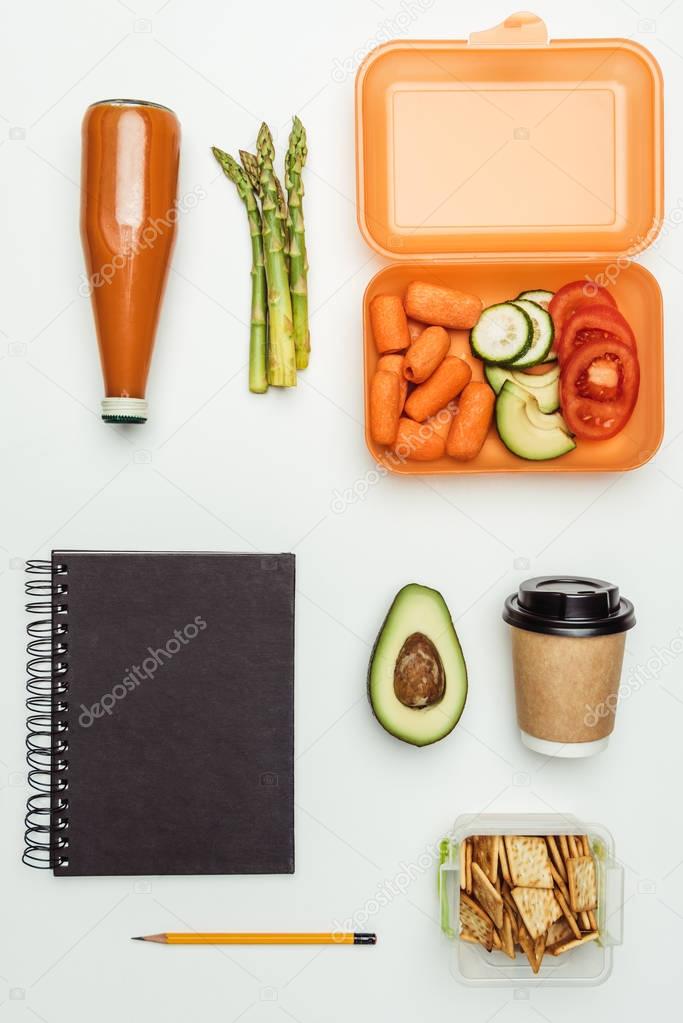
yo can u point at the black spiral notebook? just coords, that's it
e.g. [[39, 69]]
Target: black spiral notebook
[[161, 713]]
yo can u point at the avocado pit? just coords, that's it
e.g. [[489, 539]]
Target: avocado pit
[[419, 676]]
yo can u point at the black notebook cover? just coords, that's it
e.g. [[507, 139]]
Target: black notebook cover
[[179, 712]]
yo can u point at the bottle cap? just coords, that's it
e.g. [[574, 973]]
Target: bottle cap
[[124, 410]]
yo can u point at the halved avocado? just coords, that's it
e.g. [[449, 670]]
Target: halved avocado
[[417, 678], [525, 430], [545, 387]]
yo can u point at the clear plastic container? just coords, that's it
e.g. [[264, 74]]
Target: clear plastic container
[[586, 966]]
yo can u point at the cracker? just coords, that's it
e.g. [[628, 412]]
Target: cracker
[[485, 853], [564, 848], [528, 861], [583, 891], [573, 847], [539, 950], [506, 894], [533, 949], [468, 865], [507, 935], [559, 883], [463, 864], [503, 861], [568, 915], [556, 857], [558, 932], [564, 946], [486, 895], [514, 922], [472, 938], [538, 908], [592, 921], [507, 897], [526, 944], [474, 921]]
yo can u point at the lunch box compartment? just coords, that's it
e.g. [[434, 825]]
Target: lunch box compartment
[[588, 965], [638, 296], [507, 163]]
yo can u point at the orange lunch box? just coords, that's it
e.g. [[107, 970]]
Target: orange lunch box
[[509, 163]]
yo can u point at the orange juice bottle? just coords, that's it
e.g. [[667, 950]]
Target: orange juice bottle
[[128, 224]]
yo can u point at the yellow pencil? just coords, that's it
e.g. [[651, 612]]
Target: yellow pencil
[[336, 938]]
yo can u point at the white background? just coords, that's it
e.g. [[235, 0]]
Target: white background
[[217, 468]]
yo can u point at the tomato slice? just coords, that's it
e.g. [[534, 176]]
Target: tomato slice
[[594, 323], [599, 387], [571, 297]]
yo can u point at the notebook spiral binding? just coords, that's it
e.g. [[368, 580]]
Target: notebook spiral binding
[[47, 822]]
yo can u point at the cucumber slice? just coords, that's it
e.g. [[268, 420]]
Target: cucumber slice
[[503, 333], [540, 297], [544, 333]]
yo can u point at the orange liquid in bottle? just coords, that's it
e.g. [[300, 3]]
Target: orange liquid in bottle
[[128, 223]]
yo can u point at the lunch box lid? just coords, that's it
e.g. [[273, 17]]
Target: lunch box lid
[[567, 605], [509, 146]]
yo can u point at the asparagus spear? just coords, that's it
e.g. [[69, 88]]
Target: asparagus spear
[[282, 209], [250, 164], [298, 263], [258, 332], [281, 355]]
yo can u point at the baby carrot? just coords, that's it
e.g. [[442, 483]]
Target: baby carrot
[[446, 381], [384, 406], [394, 364], [471, 421], [415, 329], [433, 303], [418, 442], [425, 354], [389, 324], [441, 422]]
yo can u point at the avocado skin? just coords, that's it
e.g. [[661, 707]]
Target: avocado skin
[[464, 681]]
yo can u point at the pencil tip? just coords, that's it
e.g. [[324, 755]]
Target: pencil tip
[[137, 939]]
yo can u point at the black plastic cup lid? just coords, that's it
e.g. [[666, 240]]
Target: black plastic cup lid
[[567, 605]]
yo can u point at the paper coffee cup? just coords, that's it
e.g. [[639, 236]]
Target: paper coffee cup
[[568, 637]]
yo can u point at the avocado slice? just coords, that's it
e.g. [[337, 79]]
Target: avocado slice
[[417, 678], [525, 430], [545, 386]]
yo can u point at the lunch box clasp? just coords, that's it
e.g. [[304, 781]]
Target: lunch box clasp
[[520, 29]]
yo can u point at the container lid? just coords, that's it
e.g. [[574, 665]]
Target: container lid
[[509, 146], [569, 606]]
